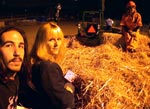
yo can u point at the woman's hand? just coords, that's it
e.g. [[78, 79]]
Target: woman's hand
[[69, 87]]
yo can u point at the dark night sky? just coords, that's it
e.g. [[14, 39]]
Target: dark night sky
[[113, 8]]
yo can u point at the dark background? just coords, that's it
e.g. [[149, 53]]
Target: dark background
[[70, 8]]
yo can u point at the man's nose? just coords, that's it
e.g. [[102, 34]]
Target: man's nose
[[16, 51]]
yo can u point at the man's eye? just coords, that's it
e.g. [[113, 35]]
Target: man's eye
[[8, 45], [21, 46]]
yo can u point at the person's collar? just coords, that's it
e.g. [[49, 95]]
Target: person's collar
[[6, 78], [12, 77]]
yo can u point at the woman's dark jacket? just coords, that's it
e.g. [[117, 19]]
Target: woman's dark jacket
[[49, 81]]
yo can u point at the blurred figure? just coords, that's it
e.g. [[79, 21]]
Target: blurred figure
[[54, 91], [131, 22], [13, 65], [109, 23], [57, 13]]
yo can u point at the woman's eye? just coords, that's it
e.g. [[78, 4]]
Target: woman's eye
[[59, 39], [51, 39]]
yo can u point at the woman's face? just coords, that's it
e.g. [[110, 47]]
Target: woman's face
[[54, 43]]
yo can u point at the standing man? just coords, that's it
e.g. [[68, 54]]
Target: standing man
[[58, 8], [131, 22], [109, 23], [13, 59]]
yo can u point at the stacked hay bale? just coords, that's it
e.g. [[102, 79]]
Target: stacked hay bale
[[108, 77]]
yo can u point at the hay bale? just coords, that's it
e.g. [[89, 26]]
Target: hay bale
[[108, 77]]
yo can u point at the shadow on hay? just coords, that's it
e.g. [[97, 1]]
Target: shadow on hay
[[81, 100], [120, 43]]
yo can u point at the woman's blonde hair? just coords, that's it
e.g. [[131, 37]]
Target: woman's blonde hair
[[39, 50]]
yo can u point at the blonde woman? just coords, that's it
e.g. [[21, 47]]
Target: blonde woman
[[54, 91], [49, 43]]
